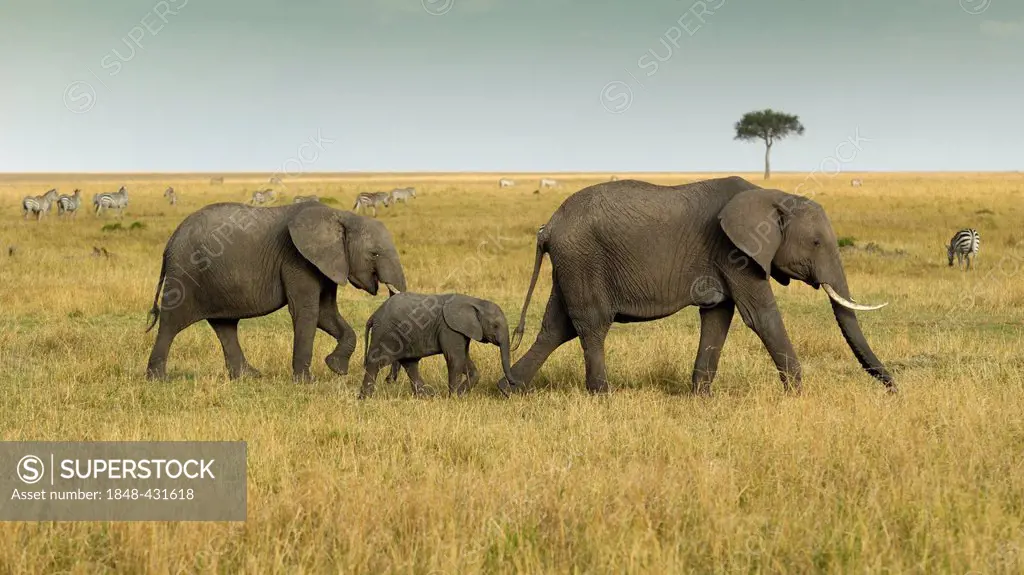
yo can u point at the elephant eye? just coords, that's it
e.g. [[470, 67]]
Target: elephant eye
[[817, 242], [374, 254]]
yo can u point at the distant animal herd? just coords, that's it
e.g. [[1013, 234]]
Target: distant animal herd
[[310, 249]]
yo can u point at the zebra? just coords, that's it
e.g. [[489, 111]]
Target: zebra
[[172, 197], [401, 194], [117, 201], [547, 183], [856, 183], [964, 245], [69, 204], [506, 183], [300, 199], [217, 181], [371, 200], [260, 197], [38, 205]]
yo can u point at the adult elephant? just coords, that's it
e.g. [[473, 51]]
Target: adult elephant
[[631, 251], [231, 261]]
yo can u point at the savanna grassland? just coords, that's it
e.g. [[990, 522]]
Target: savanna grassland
[[841, 479]]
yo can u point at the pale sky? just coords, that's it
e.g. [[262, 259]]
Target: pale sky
[[507, 85]]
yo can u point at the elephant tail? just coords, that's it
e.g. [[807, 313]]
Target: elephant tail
[[366, 337], [154, 312], [542, 248]]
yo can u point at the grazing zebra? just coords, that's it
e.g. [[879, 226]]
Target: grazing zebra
[[172, 197], [260, 197], [69, 204], [38, 205], [218, 181], [506, 183], [547, 183], [117, 201], [964, 245], [401, 194], [371, 200], [856, 183], [300, 199]]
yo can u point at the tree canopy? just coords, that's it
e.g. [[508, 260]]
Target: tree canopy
[[768, 126]]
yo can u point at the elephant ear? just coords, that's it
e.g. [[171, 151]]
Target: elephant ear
[[319, 235], [753, 223], [461, 314]]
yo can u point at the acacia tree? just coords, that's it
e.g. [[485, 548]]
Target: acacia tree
[[769, 126]]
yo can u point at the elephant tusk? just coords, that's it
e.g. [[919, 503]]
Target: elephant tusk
[[393, 289], [849, 304]]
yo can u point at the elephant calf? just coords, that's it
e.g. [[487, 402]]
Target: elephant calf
[[409, 327]]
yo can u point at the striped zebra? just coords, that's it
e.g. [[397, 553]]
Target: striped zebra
[[506, 183], [69, 204], [547, 183], [402, 194], [260, 197], [172, 197], [964, 245], [115, 201], [38, 205], [311, 198], [856, 183], [371, 200]]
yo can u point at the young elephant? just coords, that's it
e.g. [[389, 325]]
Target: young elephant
[[228, 262], [411, 326]]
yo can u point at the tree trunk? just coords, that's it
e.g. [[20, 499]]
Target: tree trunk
[[767, 161]]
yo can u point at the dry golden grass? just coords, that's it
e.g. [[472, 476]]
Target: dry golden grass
[[648, 479]]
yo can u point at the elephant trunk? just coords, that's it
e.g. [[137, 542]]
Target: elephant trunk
[[848, 324], [393, 278], [506, 360]]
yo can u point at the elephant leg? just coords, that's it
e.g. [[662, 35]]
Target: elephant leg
[[393, 374], [412, 369], [302, 292], [555, 330], [234, 357], [592, 341], [714, 327], [474, 374], [455, 349], [763, 317], [370, 377], [330, 321], [170, 326]]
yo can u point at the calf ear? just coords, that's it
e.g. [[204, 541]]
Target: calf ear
[[461, 315], [319, 235], [753, 223]]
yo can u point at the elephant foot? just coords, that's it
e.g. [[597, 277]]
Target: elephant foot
[[245, 371], [702, 389], [366, 392], [423, 392], [156, 373], [337, 363], [507, 388], [302, 377]]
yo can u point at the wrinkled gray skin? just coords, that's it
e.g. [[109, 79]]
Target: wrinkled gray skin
[[232, 261], [409, 327], [630, 251]]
